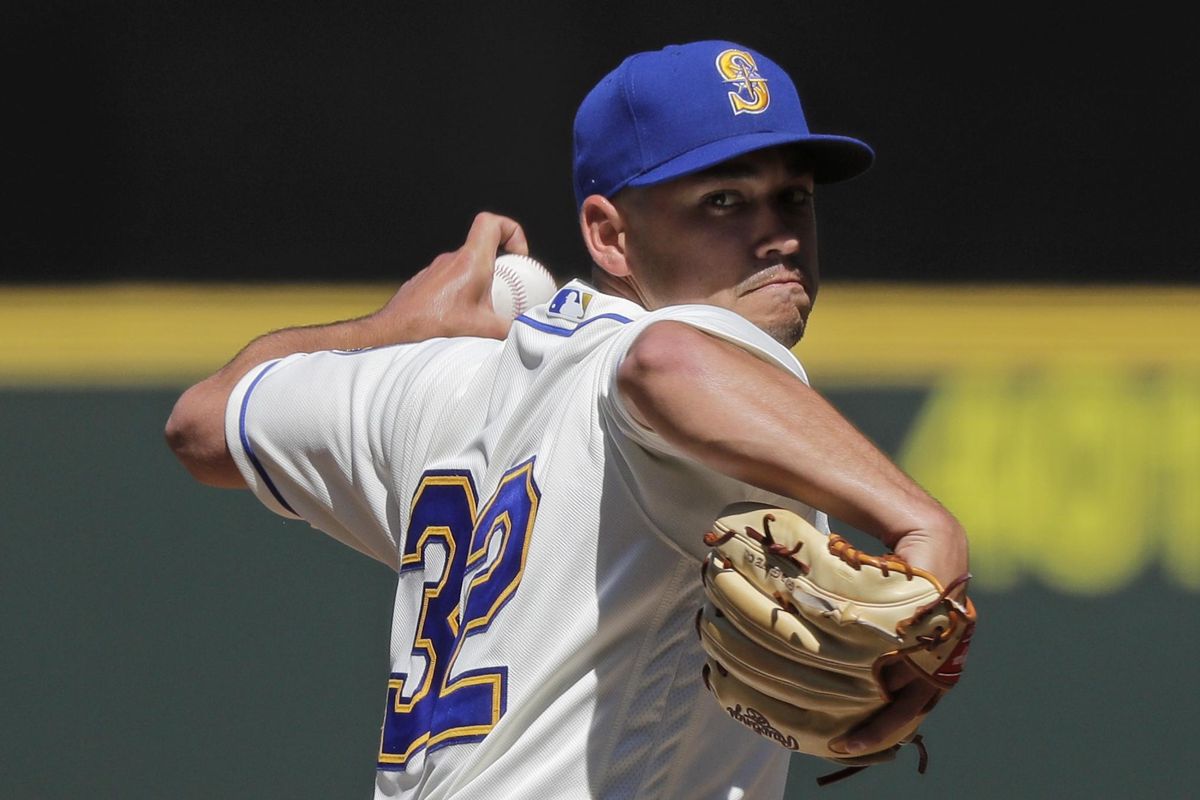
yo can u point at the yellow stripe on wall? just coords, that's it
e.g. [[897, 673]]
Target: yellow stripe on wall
[[899, 333], [150, 334], [141, 334]]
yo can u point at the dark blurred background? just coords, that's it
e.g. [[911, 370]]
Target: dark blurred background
[[308, 140]]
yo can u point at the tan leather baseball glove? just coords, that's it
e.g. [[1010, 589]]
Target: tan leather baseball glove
[[798, 626]]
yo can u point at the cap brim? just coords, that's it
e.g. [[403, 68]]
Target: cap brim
[[835, 158]]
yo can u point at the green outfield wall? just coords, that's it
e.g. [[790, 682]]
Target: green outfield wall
[[160, 638]]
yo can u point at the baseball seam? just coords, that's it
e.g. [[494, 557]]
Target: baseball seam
[[515, 288]]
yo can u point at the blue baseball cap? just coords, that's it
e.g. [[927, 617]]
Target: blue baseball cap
[[667, 113]]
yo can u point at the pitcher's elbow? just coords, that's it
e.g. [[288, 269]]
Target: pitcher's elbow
[[197, 440]]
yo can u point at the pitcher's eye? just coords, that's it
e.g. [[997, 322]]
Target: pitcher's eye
[[722, 199], [799, 196]]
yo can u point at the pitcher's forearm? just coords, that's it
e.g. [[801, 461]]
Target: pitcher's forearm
[[755, 422]]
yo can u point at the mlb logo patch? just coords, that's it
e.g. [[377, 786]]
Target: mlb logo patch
[[570, 304]]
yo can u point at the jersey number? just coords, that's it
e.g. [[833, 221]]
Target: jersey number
[[452, 542]]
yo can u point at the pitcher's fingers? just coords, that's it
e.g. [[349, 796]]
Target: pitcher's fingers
[[513, 240], [906, 706], [897, 675], [491, 233]]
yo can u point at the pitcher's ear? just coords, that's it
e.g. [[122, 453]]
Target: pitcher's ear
[[603, 227]]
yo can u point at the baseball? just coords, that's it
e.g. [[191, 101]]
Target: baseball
[[519, 283]]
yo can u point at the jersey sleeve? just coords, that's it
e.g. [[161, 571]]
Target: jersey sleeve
[[643, 463], [716, 321], [313, 436]]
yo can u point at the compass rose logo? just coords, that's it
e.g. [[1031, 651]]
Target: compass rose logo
[[749, 95]]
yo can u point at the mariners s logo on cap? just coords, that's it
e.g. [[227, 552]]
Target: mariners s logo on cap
[[750, 95], [660, 115]]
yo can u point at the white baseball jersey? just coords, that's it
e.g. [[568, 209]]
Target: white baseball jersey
[[547, 549]]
